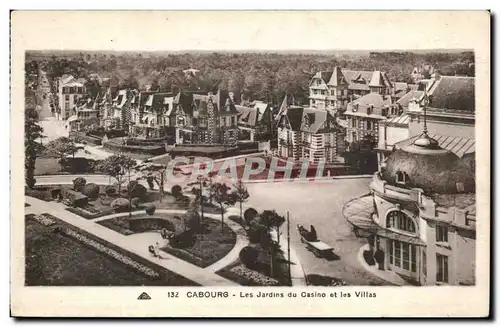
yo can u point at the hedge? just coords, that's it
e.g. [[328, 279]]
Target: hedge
[[116, 145], [85, 214], [87, 138]]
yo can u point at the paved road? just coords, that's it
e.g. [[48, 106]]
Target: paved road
[[319, 204]]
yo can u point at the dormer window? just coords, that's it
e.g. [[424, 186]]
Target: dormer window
[[401, 177], [369, 110], [355, 107]]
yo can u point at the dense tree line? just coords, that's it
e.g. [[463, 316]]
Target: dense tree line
[[264, 76]]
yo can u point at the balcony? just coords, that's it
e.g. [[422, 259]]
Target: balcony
[[318, 96]]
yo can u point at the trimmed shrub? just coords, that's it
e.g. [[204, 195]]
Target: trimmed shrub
[[150, 209], [176, 191], [136, 190], [192, 220], [91, 190], [110, 190], [257, 233], [79, 184], [135, 202], [74, 198], [250, 215], [120, 205], [248, 256]]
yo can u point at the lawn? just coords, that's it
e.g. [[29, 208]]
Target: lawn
[[206, 249], [55, 259], [209, 247]]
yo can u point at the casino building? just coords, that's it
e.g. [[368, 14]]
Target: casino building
[[420, 215]]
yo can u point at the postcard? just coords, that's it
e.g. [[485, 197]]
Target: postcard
[[250, 164]]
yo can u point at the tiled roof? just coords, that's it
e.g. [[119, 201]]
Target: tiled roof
[[453, 92], [405, 100], [458, 145], [294, 115], [398, 120], [313, 119]]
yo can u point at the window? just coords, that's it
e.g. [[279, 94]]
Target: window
[[355, 107], [403, 255], [441, 234], [195, 121], [442, 268], [369, 110], [354, 122], [368, 125], [400, 221], [167, 106], [401, 177], [354, 137]]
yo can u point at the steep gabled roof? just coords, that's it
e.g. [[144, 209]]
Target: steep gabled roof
[[454, 93], [337, 78], [294, 115]]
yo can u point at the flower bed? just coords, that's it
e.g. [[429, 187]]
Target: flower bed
[[242, 275], [39, 193], [205, 250], [56, 259], [116, 255], [87, 214]]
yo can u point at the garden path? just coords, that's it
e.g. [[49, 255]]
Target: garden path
[[205, 277]]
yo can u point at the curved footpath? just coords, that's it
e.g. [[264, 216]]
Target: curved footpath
[[139, 245]]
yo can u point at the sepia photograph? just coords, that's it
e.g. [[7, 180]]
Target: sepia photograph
[[319, 174]]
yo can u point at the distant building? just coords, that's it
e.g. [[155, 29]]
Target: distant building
[[365, 114], [308, 133], [334, 90], [420, 218], [254, 118], [69, 91], [422, 72], [86, 115], [209, 119], [153, 115]]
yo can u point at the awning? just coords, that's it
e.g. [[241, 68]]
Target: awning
[[359, 213]]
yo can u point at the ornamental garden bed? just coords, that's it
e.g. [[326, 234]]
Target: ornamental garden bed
[[205, 249], [209, 247], [260, 274], [59, 254]]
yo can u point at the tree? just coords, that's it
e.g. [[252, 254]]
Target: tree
[[152, 171], [362, 155], [117, 166], [63, 146], [32, 132], [271, 219], [241, 194], [250, 215], [79, 184], [176, 191], [222, 195]]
